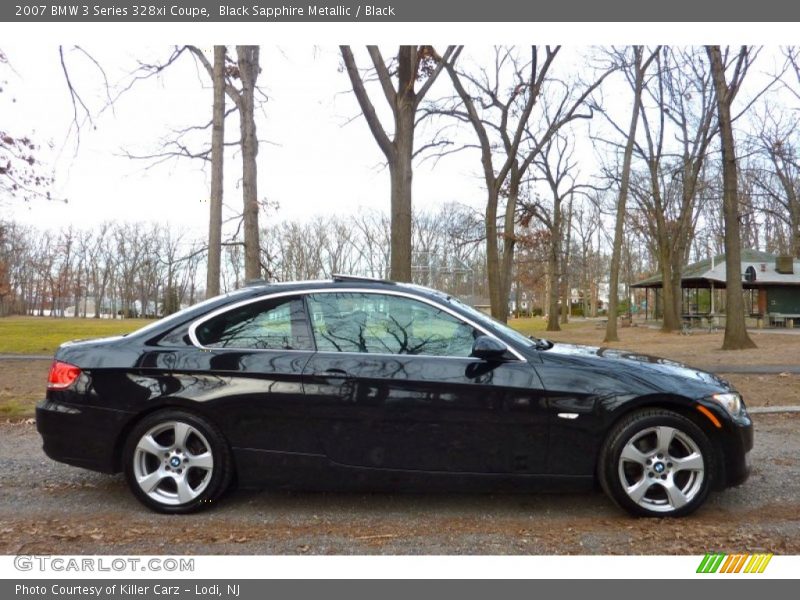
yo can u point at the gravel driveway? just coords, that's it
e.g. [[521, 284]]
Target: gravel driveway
[[49, 508]]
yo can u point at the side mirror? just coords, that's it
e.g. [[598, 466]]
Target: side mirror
[[488, 348]]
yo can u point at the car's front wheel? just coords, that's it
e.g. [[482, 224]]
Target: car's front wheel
[[657, 463], [176, 462]]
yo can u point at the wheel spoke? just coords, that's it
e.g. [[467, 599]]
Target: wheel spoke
[[639, 489], [150, 482], [693, 462], [677, 498], [185, 491], [151, 446], [664, 435], [632, 454], [182, 433], [201, 461]]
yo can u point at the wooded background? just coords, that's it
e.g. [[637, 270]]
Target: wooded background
[[696, 154]]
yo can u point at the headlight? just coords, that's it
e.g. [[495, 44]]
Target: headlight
[[732, 402]]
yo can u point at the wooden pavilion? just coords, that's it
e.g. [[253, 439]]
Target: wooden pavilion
[[771, 282]]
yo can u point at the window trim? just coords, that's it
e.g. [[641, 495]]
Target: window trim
[[302, 294]]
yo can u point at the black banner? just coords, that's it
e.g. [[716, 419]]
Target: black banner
[[397, 11]]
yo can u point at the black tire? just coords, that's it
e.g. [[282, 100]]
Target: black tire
[[201, 486], [660, 499]]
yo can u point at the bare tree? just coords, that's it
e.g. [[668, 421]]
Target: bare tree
[[244, 70], [640, 66], [412, 64], [217, 171], [590, 265], [677, 124], [557, 167], [779, 179], [21, 173], [499, 104], [247, 58], [736, 336], [375, 233], [101, 266]]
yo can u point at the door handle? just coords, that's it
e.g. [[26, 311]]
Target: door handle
[[335, 374]]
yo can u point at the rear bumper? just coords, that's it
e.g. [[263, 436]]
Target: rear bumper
[[83, 436]]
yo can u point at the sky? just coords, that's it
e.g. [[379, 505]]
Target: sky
[[317, 156]]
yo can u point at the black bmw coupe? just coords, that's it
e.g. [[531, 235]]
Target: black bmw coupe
[[357, 383]]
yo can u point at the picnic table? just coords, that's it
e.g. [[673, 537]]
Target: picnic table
[[782, 319], [692, 320]]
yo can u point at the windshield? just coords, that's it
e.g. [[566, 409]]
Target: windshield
[[482, 317]]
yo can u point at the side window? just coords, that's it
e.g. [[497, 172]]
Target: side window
[[386, 324], [277, 324]]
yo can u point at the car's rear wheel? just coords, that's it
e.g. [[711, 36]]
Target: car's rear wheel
[[177, 462], [657, 463]]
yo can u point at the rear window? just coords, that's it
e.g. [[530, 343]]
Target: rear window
[[276, 324], [184, 314]]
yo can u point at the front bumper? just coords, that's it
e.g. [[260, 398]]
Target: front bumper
[[736, 450], [83, 436]]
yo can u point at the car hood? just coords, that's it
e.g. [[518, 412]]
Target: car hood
[[639, 372]]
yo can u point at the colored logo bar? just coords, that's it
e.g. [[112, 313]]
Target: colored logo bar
[[719, 562]]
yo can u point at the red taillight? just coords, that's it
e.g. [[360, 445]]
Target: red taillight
[[62, 375]]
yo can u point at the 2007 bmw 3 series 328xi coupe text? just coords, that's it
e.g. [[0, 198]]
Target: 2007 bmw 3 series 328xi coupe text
[[370, 384]]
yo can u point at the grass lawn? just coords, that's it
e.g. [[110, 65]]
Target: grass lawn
[[42, 335], [537, 326], [15, 409]]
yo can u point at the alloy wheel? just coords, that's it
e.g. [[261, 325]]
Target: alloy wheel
[[661, 468], [173, 463]]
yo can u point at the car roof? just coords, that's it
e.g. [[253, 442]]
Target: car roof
[[345, 282]]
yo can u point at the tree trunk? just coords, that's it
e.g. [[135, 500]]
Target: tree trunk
[[400, 164], [736, 336], [553, 274], [217, 158], [670, 321], [566, 295], [509, 242], [506, 271], [587, 302], [493, 266], [248, 71], [677, 289], [398, 151], [619, 226], [401, 172], [794, 217]]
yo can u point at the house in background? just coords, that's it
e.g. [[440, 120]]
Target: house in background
[[771, 282]]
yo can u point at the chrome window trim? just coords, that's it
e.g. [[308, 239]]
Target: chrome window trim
[[304, 292]]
